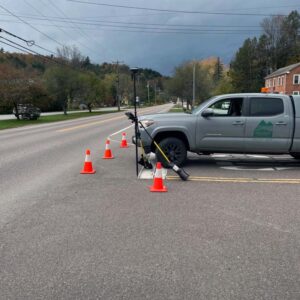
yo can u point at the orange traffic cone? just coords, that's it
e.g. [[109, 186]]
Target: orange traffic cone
[[158, 185], [107, 152], [123, 142], [88, 167]]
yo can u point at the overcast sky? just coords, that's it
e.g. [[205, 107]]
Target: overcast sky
[[160, 40]]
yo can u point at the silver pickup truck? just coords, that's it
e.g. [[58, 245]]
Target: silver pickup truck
[[232, 123]]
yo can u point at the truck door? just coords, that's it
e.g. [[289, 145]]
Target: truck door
[[269, 124], [224, 130]]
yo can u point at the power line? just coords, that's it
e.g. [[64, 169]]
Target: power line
[[165, 30], [25, 22], [62, 20], [75, 26], [103, 24], [28, 42], [170, 10], [30, 51], [40, 13], [15, 47], [162, 30]]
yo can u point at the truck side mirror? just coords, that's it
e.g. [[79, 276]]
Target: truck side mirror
[[208, 112]]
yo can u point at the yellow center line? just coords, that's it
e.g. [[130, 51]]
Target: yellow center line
[[88, 124], [94, 123], [240, 180]]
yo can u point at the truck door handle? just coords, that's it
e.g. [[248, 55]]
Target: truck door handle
[[281, 123], [238, 123]]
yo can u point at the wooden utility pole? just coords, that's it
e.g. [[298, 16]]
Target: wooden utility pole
[[118, 82], [194, 85]]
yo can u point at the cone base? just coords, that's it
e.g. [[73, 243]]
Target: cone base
[[85, 172], [124, 146], [162, 190], [103, 157]]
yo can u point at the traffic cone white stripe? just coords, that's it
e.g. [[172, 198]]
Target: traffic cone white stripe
[[87, 158], [158, 173]]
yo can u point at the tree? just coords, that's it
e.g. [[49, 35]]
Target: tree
[[17, 88], [224, 86], [246, 68], [218, 71], [181, 84], [278, 46], [71, 55], [273, 31], [62, 85], [291, 37], [91, 90]]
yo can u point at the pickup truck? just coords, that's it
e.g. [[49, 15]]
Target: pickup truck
[[252, 123]]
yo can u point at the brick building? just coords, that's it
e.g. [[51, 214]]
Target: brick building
[[285, 80]]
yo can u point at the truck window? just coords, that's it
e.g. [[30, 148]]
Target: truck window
[[228, 107], [266, 106]]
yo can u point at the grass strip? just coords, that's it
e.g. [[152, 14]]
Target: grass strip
[[5, 124], [176, 110]]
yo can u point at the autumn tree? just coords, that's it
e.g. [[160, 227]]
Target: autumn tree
[[17, 88]]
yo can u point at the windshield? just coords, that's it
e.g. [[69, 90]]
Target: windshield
[[198, 108]]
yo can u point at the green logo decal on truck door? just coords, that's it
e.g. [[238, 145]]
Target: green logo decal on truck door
[[264, 130]]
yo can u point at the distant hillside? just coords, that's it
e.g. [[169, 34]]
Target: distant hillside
[[68, 82]]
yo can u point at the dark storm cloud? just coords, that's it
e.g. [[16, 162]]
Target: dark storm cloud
[[160, 51]]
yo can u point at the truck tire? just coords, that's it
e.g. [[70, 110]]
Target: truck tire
[[295, 155], [175, 150]]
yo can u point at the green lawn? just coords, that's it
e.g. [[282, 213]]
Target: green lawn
[[5, 124]]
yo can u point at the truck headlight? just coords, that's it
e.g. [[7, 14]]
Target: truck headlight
[[146, 123]]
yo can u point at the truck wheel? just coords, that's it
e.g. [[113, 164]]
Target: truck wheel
[[295, 155], [174, 149]]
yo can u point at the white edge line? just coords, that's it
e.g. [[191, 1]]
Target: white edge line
[[115, 141], [123, 129]]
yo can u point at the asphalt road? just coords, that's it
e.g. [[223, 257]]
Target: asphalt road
[[226, 234]]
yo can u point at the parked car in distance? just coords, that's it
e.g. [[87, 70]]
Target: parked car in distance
[[27, 112], [234, 123]]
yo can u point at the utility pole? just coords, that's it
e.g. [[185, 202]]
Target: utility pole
[[155, 92], [148, 86], [118, 82], [194, 84], [134, 72]]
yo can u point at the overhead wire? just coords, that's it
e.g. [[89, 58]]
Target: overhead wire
[[28, 42], [62, 20], [33, 27], [171, 10], [79, 29], [40, 13], [60, 28], [166, 30], [15, 47], [30, 51]]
